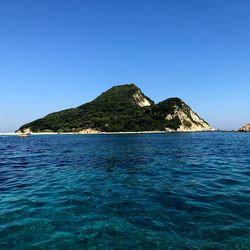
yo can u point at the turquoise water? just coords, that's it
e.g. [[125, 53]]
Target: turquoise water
[[163, 191]]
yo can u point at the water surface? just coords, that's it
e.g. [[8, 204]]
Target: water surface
[[139, 191]]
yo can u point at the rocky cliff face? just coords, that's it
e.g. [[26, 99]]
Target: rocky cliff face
[[122, 108], [140, 99], [188, 120], [245, 128]]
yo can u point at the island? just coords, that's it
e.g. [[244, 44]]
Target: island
[[123, 108]]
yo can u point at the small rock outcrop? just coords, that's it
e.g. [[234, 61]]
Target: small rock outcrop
[[245, 128], [89, 131]]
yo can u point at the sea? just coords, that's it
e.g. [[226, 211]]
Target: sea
[[125, 191]]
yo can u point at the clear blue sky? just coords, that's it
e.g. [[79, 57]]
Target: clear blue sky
[[56, 54]]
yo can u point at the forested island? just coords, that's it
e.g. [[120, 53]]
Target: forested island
[[122, 108]]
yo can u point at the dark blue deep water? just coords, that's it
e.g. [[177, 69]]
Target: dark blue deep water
[[163, 191]]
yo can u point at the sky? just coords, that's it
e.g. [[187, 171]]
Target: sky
[[57, 54]]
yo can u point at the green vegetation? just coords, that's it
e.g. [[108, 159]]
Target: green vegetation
[[114, 110]]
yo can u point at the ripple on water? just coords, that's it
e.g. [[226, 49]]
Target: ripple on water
[[168, 191]]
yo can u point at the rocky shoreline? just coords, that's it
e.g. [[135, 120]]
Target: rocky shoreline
[[245, 128], [117, 133]]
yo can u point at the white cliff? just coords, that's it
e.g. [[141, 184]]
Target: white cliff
[[189, 120], [140, 99]]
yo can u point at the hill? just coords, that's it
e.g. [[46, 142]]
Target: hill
[[122, 108]]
